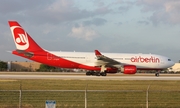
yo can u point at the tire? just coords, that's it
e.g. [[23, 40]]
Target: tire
[[158, 75], [103, 74], [98, 74], [93, 73], [88, 73]]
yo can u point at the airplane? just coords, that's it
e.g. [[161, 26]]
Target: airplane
[[96, 63]]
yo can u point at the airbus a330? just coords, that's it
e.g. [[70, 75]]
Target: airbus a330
[[96, 62]]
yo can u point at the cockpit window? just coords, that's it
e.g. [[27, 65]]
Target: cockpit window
[[169, 59]]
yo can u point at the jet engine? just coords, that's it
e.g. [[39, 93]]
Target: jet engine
[[111, 70], [129, 69]]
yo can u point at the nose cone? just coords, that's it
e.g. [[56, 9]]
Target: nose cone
[[171, 63]]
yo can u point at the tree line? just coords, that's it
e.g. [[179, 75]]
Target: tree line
[[42, 68], [3, 66]]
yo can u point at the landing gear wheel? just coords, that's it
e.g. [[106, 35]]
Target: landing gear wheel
[[93, 73], [88, 73], [103, 74], [157, 74], [98, 74]]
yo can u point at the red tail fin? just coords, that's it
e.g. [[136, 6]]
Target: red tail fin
[[22, 39]]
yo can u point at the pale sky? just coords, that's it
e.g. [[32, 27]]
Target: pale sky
[[120, 26]]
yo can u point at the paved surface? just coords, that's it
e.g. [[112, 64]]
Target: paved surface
[[81, 76]]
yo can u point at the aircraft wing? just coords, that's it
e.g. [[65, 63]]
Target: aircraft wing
[[106, 60]]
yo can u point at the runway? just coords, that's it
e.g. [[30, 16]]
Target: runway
[[84, 77]]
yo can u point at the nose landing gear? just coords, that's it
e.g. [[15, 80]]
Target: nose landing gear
[[157, 73]]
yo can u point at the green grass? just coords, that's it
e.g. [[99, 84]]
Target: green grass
[[129, 94]]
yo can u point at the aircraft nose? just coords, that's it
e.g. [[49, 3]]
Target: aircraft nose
[[172, 63]]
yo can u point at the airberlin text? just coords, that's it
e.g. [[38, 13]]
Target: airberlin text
[[140, 59]]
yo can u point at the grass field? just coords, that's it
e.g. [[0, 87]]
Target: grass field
[[121, 94]]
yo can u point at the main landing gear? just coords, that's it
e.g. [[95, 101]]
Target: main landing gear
[[101, 73], [96, 73]]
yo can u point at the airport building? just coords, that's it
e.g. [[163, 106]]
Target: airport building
[[175, 68], [23, 66], [34, 66]]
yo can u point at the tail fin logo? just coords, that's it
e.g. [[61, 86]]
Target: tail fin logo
[[20, 38]]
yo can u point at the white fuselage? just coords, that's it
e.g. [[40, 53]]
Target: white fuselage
[[141, 61]]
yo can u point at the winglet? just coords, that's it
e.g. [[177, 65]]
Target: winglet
[[97, 53]]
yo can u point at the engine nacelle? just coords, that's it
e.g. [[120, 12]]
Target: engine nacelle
[[111, 70], [129, 69]]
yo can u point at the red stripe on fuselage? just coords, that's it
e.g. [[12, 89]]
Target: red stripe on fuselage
[[52, 60]]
